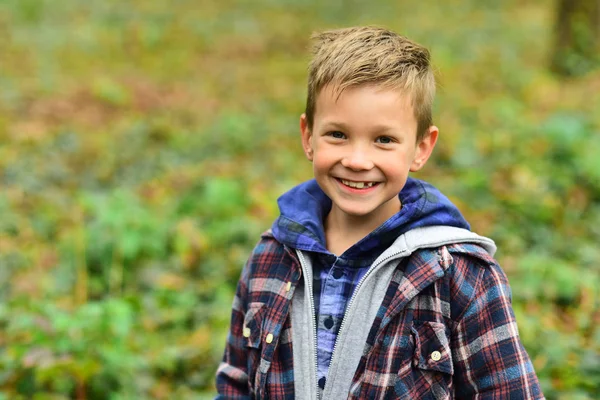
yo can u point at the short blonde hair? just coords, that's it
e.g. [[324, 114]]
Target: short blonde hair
[[368, 55]]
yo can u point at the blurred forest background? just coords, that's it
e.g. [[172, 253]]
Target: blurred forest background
[[143, 145]]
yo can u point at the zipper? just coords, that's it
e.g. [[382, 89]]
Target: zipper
[[354, 295], [313, 317]]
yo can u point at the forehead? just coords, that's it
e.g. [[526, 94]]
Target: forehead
[[331, 93], [363, 104]]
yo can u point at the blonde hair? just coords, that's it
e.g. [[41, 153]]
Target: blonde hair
[[368, 55]]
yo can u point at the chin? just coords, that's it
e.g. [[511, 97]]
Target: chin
[[357, 211]]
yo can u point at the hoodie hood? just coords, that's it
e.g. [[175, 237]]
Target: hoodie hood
[[304, 208]]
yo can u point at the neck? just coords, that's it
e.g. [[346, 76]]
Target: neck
[[343, 230]]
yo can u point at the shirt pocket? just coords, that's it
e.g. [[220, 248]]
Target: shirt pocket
[[432, 347], [253, 322], [254, 334]]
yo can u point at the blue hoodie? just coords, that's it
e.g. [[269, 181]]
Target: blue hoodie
[[304, 208]]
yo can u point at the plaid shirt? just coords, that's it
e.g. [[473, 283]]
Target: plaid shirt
[[445, 329], [333, 284]]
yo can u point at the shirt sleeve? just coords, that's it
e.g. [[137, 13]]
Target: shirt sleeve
[[490, 361], [232, 374]]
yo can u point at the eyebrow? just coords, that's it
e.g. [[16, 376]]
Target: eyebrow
[[335, 125], [381, 129]]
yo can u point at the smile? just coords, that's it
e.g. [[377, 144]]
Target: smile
[[358, 185]]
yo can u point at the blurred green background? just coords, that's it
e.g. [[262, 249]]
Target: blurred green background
[[143, 145]]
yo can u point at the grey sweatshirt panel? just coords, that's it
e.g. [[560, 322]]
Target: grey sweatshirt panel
[[361, 312], [303, 336], [437, 236]]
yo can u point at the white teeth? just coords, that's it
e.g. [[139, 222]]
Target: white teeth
[[357, 185]]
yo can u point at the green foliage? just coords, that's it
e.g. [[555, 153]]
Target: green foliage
[[143, 146]]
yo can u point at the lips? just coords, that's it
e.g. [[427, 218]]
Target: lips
[[358, 184]]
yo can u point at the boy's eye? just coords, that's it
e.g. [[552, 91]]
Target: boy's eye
[[384, 140], [337, 135]]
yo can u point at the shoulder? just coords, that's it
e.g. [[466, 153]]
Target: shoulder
[[269, 258], [266, 248], [474, 277], [472, 260]]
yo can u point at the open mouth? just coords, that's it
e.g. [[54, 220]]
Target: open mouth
[[358, 185]]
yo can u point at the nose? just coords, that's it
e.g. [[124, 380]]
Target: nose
[[357, 160]]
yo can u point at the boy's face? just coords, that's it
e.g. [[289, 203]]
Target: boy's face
[[363, 145]]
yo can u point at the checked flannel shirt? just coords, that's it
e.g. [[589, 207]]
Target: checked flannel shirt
[[453, 301]]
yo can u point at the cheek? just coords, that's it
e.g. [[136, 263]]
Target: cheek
[[397, 167], [321, 161], [319, 168]]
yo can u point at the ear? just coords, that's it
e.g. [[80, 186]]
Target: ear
[[306, 137], [425, 148]]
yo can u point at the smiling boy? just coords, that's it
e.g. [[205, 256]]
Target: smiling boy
[[370, 284]]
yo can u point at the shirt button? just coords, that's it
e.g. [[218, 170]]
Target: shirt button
[[269, 338], [322, 382], [337, 273], [328, 323], [246, 332], [288, 286], [436, 356]]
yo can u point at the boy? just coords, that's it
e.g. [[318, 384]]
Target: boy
[[369, 284]]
